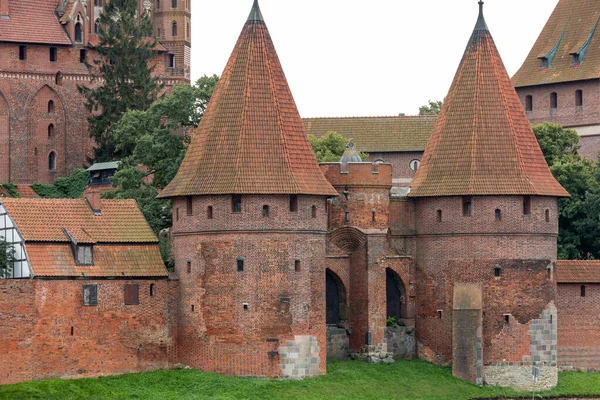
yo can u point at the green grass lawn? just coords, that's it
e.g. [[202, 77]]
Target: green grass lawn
[[345, 380]]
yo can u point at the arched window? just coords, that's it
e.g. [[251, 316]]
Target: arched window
[[174, 29], [50, 131], [51, 107], [335, 298], [97, 26], [58, 78], [395, 295], [52, 161], [79, 32]]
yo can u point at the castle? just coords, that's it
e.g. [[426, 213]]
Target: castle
[[44, 44], [282, 264]]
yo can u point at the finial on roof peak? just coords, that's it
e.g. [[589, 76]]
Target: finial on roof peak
[[255, 14], [481, 25]]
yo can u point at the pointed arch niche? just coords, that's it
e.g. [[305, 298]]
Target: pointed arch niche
[[46, 135]]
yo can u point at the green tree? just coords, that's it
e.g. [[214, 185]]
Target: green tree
[[124, 64], [431, 108], [330, 147], [579, 225], [156, 140], [7, 258], [69, 187]]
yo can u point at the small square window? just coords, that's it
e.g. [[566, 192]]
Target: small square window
[[90, 295], [132, 295], [240, 264], [497, 271]]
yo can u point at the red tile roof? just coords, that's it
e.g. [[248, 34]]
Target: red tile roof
[[482, 143], [43, 220], [251, 139], [578, 271], [577, 18], [377, 134], [56, 260], [33, 21]]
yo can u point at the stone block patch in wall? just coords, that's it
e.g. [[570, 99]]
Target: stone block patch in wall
[[300, 358], [337, 343], [401, 342]]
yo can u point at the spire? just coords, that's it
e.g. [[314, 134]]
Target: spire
[[251, 139], [481, 25], [255, 14], [482, 142]]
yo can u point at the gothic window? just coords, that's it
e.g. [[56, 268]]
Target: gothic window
[[498, 215], [547, 215], [79, 32], [82, 56], [553, 100], [439, 216], [58, 78], [314, 211], [265, 211], [152, 290], [51, 107], [174, 29], [50, 131], [52, 161], [97, 27]]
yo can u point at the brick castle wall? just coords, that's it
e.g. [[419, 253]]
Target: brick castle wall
[[47, 332]]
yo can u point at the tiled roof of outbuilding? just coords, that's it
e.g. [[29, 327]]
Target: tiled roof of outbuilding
[[33, 21], [482, 143], [577, 19], [377, 134], [43, 220], [578, 271], [251, 139]]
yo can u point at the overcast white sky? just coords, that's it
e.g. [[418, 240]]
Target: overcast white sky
[[366, 57]]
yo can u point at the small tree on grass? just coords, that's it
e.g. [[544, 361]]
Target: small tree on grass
[[125, 53]]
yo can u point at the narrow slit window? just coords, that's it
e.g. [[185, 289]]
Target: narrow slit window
[[507, 319], [439, 216], [373, 216], [529, 103], [52, 161], [553, 100], [297, 265], [240, 264], [152, 290], [526, 205], [174, 29], [497, 271], [189, 205], [467, 206], [22, 53], [51, 107], [177, 214], [82, 56], [51, 130], [582, 290], [547, 215], [439, 313], [293, 203], [265, 211], [236, 203], [189, 267], [498, 215], [578, 98], [193, 309], [52, 54], [314, 211], [209, 212], [347, 217]]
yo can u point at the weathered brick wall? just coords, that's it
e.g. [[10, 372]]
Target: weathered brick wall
[[578, 326], [234, 322], [400, 163], [47, 332], [442, 245]]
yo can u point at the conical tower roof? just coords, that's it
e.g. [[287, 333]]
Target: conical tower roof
[[251, 139], [482, 142]]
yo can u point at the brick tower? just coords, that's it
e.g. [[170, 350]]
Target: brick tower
[[250, 224], [172, 25], [487, 222]]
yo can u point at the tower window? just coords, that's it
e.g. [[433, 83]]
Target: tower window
[[497, 271], [79, 32], [439, 215], [152, 290], [240, 264], [297, 265], [526, 205], [293, 203], [582, 289], [51, 107], [177, 214], [82, 56], [553, 100], [578, 98], [373, 216], [529, 103], [506, 319], [547, 215], [498, 215], [50, 130], [171, 60], [173, 3], [189, 267], [209, 212], [189, 203], [265, 211], [467, 206], [158, 4], [52, 161], [314, 211], [22, 53], [236, 203], [347, 217], [52, 54], [174, 29]]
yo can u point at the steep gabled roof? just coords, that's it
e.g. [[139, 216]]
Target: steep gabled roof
[[482, 143], [571, 29], [377, 134], [251, 139], [33, 21]]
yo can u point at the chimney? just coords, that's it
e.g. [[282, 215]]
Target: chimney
[[4, 9], [92, 198]]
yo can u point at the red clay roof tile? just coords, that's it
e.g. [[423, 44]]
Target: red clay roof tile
[[482, 143], [251, 139], [33, 21], [578, 271]]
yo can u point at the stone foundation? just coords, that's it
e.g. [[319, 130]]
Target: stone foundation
[[300, 358], [401, 342], [373, 354], [337, 343]]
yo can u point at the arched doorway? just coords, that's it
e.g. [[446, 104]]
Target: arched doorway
[[395, 295], [335, 298]]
